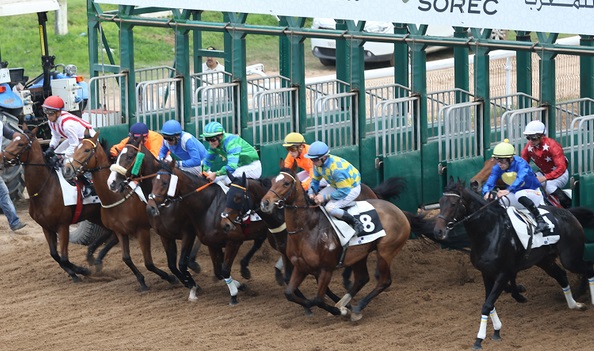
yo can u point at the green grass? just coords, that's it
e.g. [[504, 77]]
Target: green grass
[[20, 43]]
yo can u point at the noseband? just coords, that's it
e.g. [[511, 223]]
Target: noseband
[[246, 204], [16, 160], [281, 200]]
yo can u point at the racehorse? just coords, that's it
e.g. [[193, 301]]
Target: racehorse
[[314, 248], [498, 254], [195, 200], [122, 213], [138, 156], [46, 204]]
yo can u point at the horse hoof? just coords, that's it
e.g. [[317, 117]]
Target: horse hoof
[[356, 317], [245, 273], [242, 287], [343, 311], [75, 279], [308, 312], [98, 267], [172, 279], [233, 301], [579, 306]]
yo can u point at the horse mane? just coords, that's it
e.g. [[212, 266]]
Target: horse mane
[[390, 188], [266, 183], [460, 187]]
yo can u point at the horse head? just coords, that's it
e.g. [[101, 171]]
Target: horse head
[[453, 207], [164, 189], [239, 203], [282, 192], [128, 165], [83, 159], [21, 146]]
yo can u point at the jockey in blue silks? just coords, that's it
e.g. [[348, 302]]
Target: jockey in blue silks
[[183, 146]]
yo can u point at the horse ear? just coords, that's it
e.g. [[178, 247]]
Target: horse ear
[[243, 179], [172, 163], [230, 175], [95, 137], [281, 163]]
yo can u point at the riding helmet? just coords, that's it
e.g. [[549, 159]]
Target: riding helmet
[[213, 129], [139, 129], [171, 127], [293, 139], [504, 150], [53, 103], [317, 149], [535, 127]]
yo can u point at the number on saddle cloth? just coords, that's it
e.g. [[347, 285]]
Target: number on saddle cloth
[[366, 213], [520, 222]]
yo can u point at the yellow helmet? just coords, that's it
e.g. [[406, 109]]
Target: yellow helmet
[[293, 139], [504, 150]]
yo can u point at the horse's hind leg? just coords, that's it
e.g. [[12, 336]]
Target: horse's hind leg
[[362, 277], [192, 262], [559, 274], [516, 290], [113, 241], [110, 240], [244, 263]]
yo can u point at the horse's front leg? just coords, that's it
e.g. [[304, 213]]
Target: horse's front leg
[[52, 242], [125, 246], [187, 245], [231, 249], [144, 240], [493, 289], [245, 261], [69, 267], [292, 292], [323, 280]]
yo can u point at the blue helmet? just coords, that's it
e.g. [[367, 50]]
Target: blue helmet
[[317, 149], [213, 129], [171, 127], [139, 129]]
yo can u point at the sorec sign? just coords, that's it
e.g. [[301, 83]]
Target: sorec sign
[[552, 16]]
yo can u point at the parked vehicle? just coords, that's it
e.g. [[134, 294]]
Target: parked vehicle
[[325, 49]]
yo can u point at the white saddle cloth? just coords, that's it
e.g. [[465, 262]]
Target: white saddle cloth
[[518, 218], [70, 194], [366, 213]]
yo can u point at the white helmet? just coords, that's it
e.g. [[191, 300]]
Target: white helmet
[[535, 127]]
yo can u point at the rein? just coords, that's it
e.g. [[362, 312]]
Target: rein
[[454, 222], [180, 198]]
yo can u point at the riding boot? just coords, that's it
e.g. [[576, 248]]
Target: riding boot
[[541, 225], [353, 222], [87, 184], [564, 200]]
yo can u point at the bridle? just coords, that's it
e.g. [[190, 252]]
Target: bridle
[[450, 224], [281, 202], [124, 171], [167, 199], [16, 160], [82, 165], [243, 210]]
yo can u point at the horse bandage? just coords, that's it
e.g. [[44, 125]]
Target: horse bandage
[[172, 186]]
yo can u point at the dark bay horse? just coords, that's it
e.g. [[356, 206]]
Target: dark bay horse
[[122, 213], [139, 160], [314, 248], [499, 255], [201, 202], [46, 204]]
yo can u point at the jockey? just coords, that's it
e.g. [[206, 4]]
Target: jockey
[[344, 183], [240, 155], [548, 156], [296, 151], [183, 146], [151, 140], [64, 124], [523, 190]]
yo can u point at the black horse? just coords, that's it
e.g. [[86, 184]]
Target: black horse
[[497, 252]]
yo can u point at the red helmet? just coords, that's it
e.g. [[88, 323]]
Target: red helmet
[[53, 103]]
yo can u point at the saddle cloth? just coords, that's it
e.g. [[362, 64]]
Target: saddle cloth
[[520, 220], [70, 194], [368, 216]]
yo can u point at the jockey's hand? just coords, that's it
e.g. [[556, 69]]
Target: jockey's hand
[[211, 176], [319, 199], [501, 193], [49, 152]]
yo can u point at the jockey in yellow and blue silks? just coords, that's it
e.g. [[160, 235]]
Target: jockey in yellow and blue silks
[[344, 183], [188, 150], [523, 189], [241, 157]]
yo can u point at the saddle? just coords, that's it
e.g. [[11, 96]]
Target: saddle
[[367, 214], [522, 220]]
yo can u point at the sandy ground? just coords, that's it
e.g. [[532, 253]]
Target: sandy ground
[[433, 304]]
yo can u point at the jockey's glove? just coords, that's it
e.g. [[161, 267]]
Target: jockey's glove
[[49, 152]]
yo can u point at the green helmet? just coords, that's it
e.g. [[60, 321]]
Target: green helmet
[[213, 129], [504, 150]]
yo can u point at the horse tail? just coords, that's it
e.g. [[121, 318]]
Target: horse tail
[[423, 227], [584, 215], [390, 188]]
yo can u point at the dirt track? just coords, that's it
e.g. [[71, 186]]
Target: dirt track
[[433, 304]]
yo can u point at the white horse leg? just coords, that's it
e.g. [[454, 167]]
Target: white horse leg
[[496, 325], [571, 303], [232, 284], [192, 296], [482, 333], [342, 304]]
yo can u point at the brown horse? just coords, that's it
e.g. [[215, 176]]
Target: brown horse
[[122, 213], [201, 202], [46, 205], [314, 248]]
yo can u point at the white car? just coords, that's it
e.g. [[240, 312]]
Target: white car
[[325, 49]]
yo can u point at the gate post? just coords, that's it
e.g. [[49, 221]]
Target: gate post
[[127, 63], [547, 80], [482, 84], [236, 59], [182, 67], [401, 58], [586, 73], [524, 70], [461, 61]]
